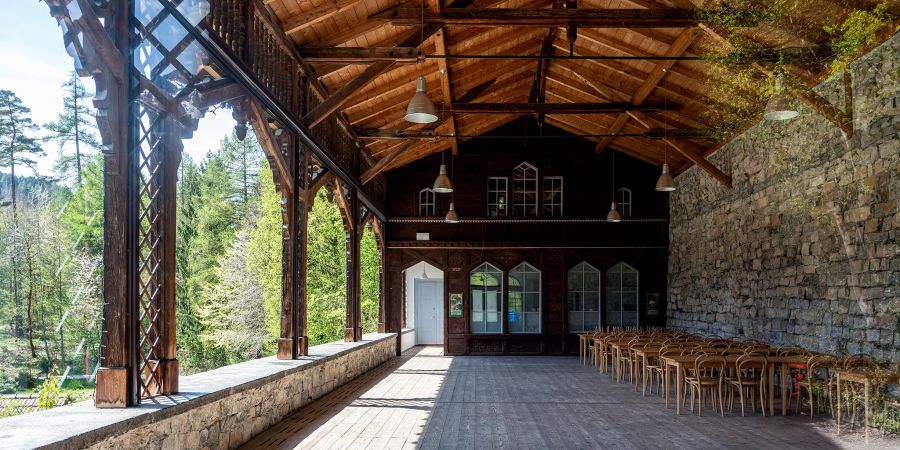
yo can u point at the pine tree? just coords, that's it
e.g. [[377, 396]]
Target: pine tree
[[74, 128], [17, 148], [242, 161]]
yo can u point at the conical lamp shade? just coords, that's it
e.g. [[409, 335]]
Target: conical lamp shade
[[665, 183], [442, 183], [420, 108], [451, 216], [779, 105], [613, 215]]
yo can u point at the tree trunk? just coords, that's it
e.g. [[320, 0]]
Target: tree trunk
[[29, 326]]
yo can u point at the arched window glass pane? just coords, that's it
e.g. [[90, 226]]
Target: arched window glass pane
[[486, 289], [622, 296], [584, 298], [525, 191], [426, 203], [524, 299]]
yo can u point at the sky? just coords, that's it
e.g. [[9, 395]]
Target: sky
[[35, 65]]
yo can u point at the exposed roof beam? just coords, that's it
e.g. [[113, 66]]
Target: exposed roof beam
[[558, 108], [316, 15], [585, 18], [348, 55], [684, 40], [446, 87], [693, 156]]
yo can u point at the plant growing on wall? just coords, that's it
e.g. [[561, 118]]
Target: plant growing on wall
[[859, 30]]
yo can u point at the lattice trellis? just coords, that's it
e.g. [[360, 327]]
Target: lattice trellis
[[167, 67]]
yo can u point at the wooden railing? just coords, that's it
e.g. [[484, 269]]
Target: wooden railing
[[246, 29]]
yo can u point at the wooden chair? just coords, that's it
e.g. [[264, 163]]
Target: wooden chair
[[708, 374], [819, 381], [749, 376]]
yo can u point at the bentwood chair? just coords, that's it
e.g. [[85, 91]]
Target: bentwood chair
[[749, 376], [709, 371], [819, 382]]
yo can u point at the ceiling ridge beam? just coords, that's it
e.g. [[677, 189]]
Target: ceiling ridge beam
[[559, 108]]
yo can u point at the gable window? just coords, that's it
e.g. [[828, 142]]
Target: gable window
[[524, 299], [525, 195], [486, 288], [623, 202], [553, 196], [426, 202], [584, 298], [496, 196], [622, 296]]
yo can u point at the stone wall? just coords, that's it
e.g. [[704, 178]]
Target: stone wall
[[805, 250], [220, 409]]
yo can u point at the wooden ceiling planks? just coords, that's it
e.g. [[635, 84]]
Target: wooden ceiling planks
[[380, 102]]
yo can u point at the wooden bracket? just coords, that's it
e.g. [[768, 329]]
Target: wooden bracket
[[270, 146]]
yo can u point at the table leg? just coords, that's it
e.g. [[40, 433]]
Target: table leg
[[666, 375], [772, 390], [784, 385], [866, 418], [678, 383], [644, 374], [839, 403]]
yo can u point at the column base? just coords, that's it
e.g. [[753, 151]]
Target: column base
[[168, 375], [349, 335], [286, 348], [112, 387], [304, 346]]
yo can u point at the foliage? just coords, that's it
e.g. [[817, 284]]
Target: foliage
[[50, 393], [745, 13], [75, 128], [326, 277], [859, 30]]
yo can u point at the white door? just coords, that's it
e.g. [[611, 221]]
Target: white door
[[429, 312]]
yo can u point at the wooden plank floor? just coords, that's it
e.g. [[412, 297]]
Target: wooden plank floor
[[426, 400]]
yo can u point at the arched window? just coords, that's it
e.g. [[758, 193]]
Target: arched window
[[584, 298], [524, 299], [426, 203], [486, 287], [623, 202], [525, 198], [622, 296]]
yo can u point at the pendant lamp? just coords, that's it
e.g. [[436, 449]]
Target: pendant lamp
[[665, 183], [779, 105], [451, 216], [442, 183], [613, 214], [420, 108]]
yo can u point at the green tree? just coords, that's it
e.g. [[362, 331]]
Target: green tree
[[370, 262], [265, 250], [76, 128], [17, 148], [326, 272]]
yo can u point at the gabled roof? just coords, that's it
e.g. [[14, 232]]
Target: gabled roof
[[685, 85]]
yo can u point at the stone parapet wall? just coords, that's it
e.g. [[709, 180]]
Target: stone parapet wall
[[233, 420], [805, 250], [219, 409]]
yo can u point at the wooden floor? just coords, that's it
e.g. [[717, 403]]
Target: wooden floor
[[426, 400]]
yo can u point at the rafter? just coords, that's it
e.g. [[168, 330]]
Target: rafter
[[316, 15], [685, 39], [348, 55]]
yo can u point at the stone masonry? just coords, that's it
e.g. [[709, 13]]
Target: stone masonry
[[220, 409], [805, 250]]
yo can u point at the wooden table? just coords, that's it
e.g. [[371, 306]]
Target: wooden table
[[865, 379], [651, 351], [782, 362]]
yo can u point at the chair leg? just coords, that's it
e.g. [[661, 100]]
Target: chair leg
[[762, 401], [741, 389]]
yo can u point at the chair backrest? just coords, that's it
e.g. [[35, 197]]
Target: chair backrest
[[747, 365], [710, 365], [820, 367], [861, 361]]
